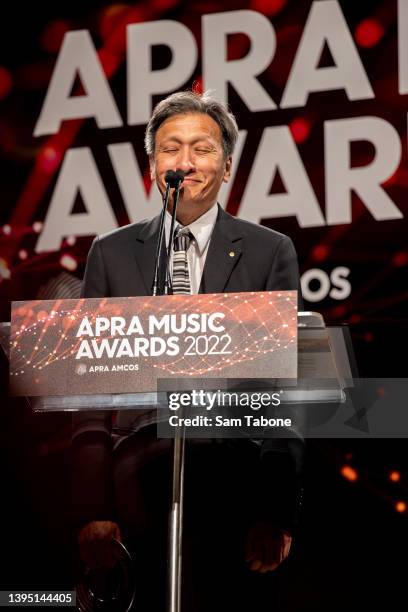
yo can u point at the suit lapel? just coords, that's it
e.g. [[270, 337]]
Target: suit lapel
[[145, 251], [223, 254]]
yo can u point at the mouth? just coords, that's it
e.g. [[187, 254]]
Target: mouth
[[191, 179]]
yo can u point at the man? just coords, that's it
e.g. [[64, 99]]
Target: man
[[195, 134]]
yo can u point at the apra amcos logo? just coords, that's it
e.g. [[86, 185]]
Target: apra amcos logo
[[81, 369]]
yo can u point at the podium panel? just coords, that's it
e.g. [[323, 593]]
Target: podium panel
[[124, 345]]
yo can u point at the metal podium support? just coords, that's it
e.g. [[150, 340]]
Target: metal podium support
[[176, 524]]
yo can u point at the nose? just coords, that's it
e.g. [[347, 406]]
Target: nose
[[186, 160]]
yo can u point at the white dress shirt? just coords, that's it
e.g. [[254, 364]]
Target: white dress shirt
[[201, 229]]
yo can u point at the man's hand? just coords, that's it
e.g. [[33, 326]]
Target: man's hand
[[95, 544], [266, 547]]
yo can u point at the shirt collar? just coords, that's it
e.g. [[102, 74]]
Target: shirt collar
[[201, 228]]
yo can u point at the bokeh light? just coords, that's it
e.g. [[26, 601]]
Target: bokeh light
[[37, 226], [369, 32], [401, 506], [349, 473], [267, 7], [6, 82], [320, 252], [53, 35], [68, 262], [400, 259], [300, 129], [49, 159]]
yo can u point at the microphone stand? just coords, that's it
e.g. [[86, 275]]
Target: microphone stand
[[155, 285], [173, 179], [175, 537], [175, 534]]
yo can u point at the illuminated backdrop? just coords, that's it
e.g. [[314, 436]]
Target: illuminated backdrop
[[319, 90]]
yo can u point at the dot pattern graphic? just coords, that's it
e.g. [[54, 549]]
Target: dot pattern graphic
[[259, 327]]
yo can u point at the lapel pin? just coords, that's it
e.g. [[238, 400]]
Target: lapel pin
[[231, 253]]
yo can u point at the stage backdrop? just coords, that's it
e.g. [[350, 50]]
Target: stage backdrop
[[320, 94]]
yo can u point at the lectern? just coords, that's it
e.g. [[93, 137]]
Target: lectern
[[113, 354]]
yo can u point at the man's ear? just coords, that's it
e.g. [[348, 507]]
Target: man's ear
[[227, 172], [152, 168]]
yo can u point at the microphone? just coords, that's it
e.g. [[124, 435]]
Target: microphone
[[174, 177], [169, 177]]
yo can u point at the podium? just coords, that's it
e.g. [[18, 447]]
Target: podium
[[336, 363], [326, 368]]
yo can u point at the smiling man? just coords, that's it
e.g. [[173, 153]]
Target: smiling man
[[255, 488], [195, 134], [192, 143]]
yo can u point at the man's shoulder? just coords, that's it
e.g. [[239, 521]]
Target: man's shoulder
[[126, 233], [254, 230]]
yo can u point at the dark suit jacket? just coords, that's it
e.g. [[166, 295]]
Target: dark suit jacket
[[121, 263], [242, 256]]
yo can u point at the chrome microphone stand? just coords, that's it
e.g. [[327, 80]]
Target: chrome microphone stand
[[175, 540], [176, 523]]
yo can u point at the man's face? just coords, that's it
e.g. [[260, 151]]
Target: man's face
[[192, 143]]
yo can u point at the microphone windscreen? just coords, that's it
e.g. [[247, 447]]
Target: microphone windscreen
[[179, 175], [170, 177]]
